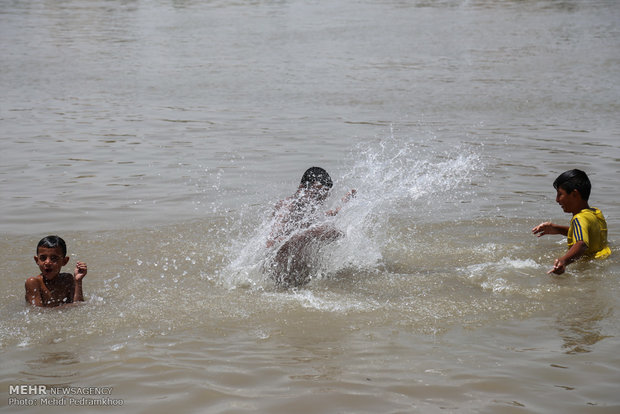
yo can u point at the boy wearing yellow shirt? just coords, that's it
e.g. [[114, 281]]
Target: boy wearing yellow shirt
[[587, 234]]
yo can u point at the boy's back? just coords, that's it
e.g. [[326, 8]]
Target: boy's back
[[590, 226]]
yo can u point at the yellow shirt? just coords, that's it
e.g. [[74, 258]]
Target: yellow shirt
[[590, 226]]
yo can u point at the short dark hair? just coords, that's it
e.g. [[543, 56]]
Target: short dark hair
[[52, 242], [316, 175], [574, 180]]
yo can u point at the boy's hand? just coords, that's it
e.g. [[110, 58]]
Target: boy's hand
[[559, 266], [348, 196], [545, 228], [80, 271]]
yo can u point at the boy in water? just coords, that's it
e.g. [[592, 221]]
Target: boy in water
[[587, 234], [297, 222], [52, 288]]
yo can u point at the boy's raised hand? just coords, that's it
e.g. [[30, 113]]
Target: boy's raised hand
[[80, 271], [348, 196], [545, 228]]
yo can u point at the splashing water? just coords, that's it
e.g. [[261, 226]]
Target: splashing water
[[395, 178]]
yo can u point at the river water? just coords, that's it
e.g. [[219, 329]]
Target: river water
[[156, 137]]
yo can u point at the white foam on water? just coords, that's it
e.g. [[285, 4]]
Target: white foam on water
[[506, 275], [324, 301]]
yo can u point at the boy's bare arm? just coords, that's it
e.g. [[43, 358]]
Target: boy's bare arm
[[348, 196], [78, 274], [549, 228], [33, 293], [575, 252]]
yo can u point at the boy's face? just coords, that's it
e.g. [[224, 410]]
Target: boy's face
[[50, 261], [568, 201]]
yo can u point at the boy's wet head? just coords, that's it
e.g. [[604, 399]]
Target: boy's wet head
[[53, 242], [316, 175], [572, 180]]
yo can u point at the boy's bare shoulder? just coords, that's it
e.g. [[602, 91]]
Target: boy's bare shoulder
[[34, 281], [285, 202], [284, 205]]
